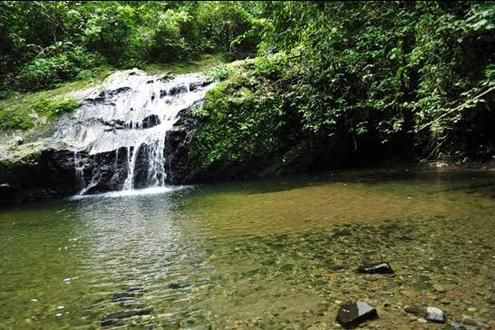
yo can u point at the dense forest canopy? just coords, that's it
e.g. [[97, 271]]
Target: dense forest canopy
[[44, 43], [325, 80]]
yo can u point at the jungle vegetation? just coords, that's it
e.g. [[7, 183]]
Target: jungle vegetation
[[320, 82]]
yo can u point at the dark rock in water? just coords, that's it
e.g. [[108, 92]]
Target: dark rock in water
[[351, 314], [415, 310], [177, 89], [150, 121], [378, 268], [108, 169], [43, 173], [195, 85], [163, 93], [176, 285], [18, 140], [491, 300], [435, 314], [113, 124], [106, 322], [177, 145], [118, 296], [117, 91], [342, 232], [406, 238], [115, 318], [166, 77]]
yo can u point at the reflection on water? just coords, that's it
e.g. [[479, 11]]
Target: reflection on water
[[273, 254]]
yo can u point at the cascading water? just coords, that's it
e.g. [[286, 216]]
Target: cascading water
[[128, 117]]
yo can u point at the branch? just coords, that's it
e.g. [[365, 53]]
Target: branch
[[456, 108]]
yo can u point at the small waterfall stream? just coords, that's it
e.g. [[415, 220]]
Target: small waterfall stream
[[127, 118]]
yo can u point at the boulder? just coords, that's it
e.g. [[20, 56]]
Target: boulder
[[351, 314], [435, 314]]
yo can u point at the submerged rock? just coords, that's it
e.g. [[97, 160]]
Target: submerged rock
[[115, 318], [378, 268], [432, 314], [460, 326], [435, 314], [352, 314], [415, 310], [176, 285]]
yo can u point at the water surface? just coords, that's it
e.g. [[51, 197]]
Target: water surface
[[277, 253]]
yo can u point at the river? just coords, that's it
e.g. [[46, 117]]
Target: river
[[275, 254]]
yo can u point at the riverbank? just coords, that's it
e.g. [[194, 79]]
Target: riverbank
[[244, 129]]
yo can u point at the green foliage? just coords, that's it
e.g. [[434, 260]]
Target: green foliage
[[219, 72], [353, 76], [380, 70], [108, 31], [28, 110], [229, 26], [52, 108], [23, 114], [240, 122], [11, 119], [175, 37], [45, 43], [356, 78], [59, 62]]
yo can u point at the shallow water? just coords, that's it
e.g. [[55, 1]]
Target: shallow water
[[269, 254]]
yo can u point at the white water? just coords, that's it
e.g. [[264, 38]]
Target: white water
[[114, 115], [126, 193]]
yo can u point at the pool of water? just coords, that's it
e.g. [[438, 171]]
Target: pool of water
[[272, 254]]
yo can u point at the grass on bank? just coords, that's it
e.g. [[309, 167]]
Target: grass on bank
[[22, 111]]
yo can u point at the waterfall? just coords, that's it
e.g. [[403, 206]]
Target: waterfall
[[126, 120]]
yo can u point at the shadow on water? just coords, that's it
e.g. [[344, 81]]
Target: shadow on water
[[444, 179]]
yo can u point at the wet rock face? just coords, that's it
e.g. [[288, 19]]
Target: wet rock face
[[177, 146], [94, 149], [195, 85], [150, 121], [52, 175], [103, 172], [177, 90], [351, 314], [378, 268]]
